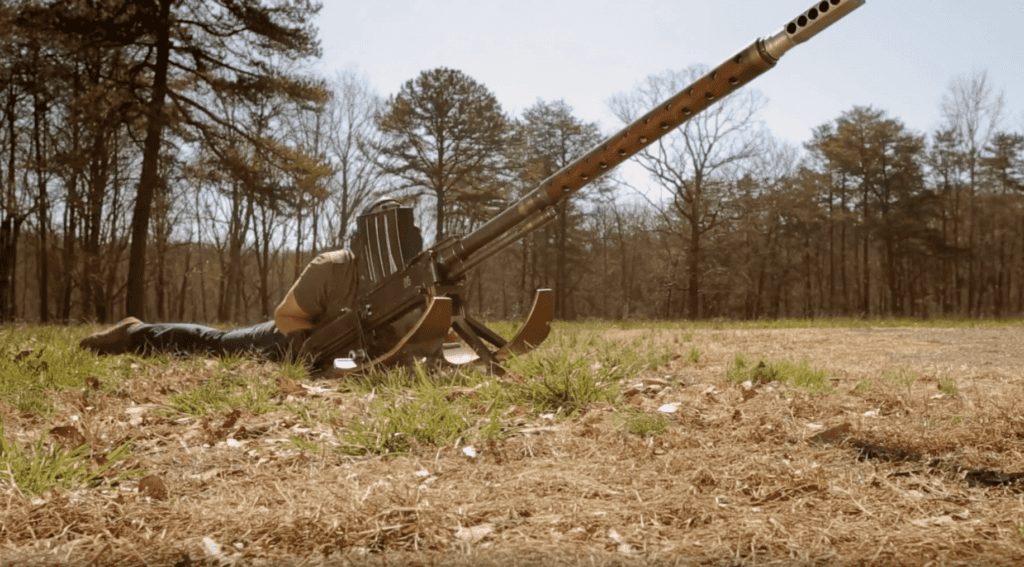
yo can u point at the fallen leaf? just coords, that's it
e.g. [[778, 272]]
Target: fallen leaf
[[290, 387], [99, 462], [231, 418], [836, 434], [68, 436], [154, 487], [514, 377], [460, 393]]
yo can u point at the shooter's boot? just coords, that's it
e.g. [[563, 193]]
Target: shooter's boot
[[111, 341]]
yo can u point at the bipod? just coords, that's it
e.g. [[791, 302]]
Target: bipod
[[475, 336]]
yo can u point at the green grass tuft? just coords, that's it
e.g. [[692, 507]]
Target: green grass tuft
[[797, 374], [694, 354], [948, 386], [413, 408], [900, 377], [41, 468], [644, 424], [224, 391]]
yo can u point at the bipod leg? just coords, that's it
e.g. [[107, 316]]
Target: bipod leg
[[474, 334], [466, 327]]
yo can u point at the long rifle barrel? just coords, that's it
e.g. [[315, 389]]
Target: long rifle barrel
[[737, 71]]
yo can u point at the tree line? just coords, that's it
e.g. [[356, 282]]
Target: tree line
[[176, 160]]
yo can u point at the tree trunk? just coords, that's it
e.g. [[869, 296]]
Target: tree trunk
[[42, 210], [183, 289], [693, 273], [561, 255], [135, 299]]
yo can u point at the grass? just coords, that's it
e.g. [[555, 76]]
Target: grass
[[644, 424], [42, 466], [229, 388], [693, 355], [823, 323], [407, 410], [948, 386], [799, 374], [564, 457], [563, 379]]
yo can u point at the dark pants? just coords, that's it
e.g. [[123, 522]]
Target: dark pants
[[263, 340]]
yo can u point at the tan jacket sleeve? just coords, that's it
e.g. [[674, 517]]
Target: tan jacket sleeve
[[325, 286], [290, 316]]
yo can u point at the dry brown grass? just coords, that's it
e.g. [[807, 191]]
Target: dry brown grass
[[736, 480]]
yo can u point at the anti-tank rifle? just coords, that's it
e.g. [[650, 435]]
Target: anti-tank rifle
[[412, 303]]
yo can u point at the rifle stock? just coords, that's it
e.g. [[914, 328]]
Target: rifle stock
[[383, 314]]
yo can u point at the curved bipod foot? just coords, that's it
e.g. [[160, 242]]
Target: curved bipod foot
[[536, 328], [530, 335], [424, 339]]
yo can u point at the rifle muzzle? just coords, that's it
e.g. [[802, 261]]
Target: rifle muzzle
[[809, 24]]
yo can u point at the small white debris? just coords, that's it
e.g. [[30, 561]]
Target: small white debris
[[669, 408], [872, 413], [210, 547], [135, 415], [422, 474], [75, 418], [549, 416], [469, 451], [474, 534], [621, 545], [234, 442], [815, 426], [937, 521]]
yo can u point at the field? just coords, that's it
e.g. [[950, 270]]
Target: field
[[781, 443]]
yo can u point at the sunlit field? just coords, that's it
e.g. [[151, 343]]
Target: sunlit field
[[713, 443]]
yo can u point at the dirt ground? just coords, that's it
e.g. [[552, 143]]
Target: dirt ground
[[877, 472]]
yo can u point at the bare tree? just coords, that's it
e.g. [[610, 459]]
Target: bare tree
[[353, 143], [183, 51], [973, 112], [699, 163]]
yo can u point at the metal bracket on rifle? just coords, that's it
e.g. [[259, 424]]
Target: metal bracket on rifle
[[425, 337]]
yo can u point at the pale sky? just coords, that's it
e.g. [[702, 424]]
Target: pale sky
[[897, 55]]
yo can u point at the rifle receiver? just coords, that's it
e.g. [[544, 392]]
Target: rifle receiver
[[455, 260]]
